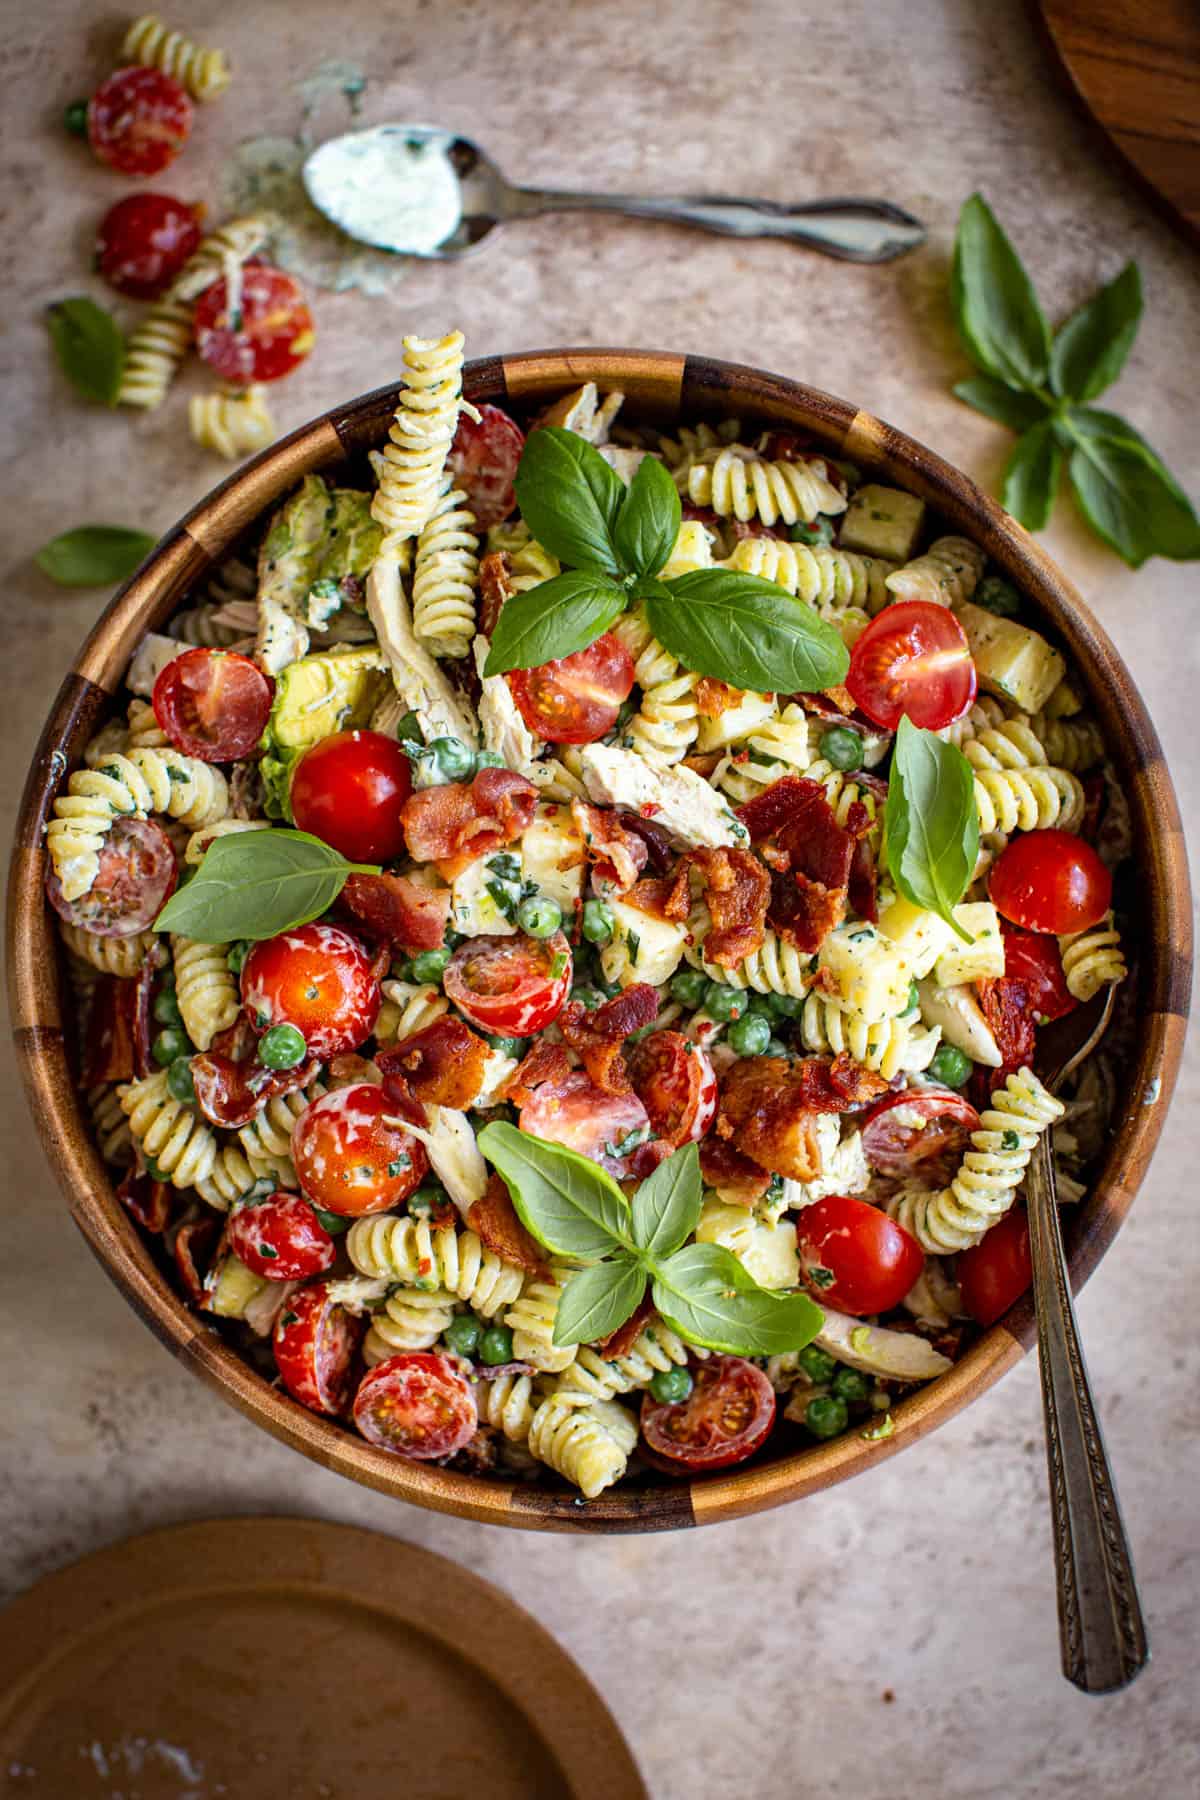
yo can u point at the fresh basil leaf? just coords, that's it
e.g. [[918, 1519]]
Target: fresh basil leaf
[[1032, 475], [1090, 348], [1001, 324], [568, 1203], [597, 1300], [648, 522], [996, 400], [94, 555], [89, 347], [256, 884], [705, 1294], [569, 498], [556, 618], [666, 1207], [1132, 500], [931, 825], [745, 631]]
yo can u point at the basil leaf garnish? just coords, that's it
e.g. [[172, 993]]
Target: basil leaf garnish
[[1130, 498], [705, 1294], [648, 522], [1090, 348], [569, 498], [89, 347], [554, 619], [1032, 475], [745, 631], [666, 1207], [996, 400], [257, 884], [931, 825], [597, 1300], [567, 1202], [94, 555], [997, 311]]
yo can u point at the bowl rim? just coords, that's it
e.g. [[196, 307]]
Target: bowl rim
[[665, 386]]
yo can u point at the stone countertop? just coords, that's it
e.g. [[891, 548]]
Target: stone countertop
[[897, 1634]]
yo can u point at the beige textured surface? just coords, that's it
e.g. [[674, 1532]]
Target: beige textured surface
[[782, 1639]]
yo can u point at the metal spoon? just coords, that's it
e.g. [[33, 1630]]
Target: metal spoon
[[1101, 1630], [354, 180]]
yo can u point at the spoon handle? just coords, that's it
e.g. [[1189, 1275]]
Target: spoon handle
[[865, 231], [1101, 1629]]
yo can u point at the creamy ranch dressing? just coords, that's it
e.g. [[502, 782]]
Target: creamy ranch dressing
[[392, 189]]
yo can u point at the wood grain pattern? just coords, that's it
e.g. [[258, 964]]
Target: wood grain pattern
[[667, 387], [1135, 68]]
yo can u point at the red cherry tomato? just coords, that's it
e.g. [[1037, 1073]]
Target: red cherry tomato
[[315, 1343], [419, 1404], [853, 1257], [143, 242], [1035, 959], [905, 1130], [510, 985], [483, 460], [580, 1115], [317, 978], [675, 1082], [915, 659], [1050, 881], [139, 121], [348, 790], [137, 877], [270, 334], [576, 699], [349, 1159], [281, 1238], [213, 704], [724, 1419], [998, 1270]]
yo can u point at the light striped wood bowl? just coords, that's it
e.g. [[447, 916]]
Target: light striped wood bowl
[[664, 388]]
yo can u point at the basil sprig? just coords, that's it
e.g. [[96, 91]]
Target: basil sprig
[[94, 555], [718, 622], [700, 1290], [1040, 386], [255, 884], [89, 347], [931, 823]]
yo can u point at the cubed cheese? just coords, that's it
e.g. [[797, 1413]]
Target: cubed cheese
[[921, 935], [474, 911], [643, 948], [984, 958], [1012, 660], [552, 855], [736, 722], [882, 521], [872, 973], [692, 550]]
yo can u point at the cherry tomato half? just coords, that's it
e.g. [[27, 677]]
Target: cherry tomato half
[[270, 334], [483, 460], [281, 1238], [853, 1257], [1034, 958], [144, 241], [576, 699], [348, 790], [724, 1419], [419, 1404], [905, 1130], [1050, 881], [138, 872], [675, 1082], [998, 1270], [315, 1344], [139, 121], [213, 704], [915, 659], [578, 1114], [317, 978], [349, 1159], [510, 985]]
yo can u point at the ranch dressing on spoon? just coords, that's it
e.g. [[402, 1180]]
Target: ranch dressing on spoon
[[389, 186]]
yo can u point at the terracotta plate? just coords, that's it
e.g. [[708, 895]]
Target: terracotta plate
[[291, 1659]]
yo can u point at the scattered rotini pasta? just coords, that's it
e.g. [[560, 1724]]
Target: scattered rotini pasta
[[207, 992], [1009, 800], [173, 1138], [412, 1252], [1092, 959], [531, 1317], [444, 576], [889, 1046], [232, 424], [588, 1445], [140, 783], [946, 575], [738, 484], [204, 73], [120, 956], [421, 433]]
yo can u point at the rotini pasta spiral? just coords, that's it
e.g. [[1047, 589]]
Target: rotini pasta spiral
[[1013, 745], [139, 783], [170, 1135], [206, 990], [780, 746], [232, 424], [531, 1321], [691, 442], [109, 1123], [198, 842], [267, 1140], [776, 968], [823, 576], [413, 1252], [656, 1350], [422, 430], [1009, 800], [144, 730], [665, 726], [1092, 959], [160, 341], [120, 956], [1073, 744], [986, 712], [588, 1445], [507, 1403], [842, 792], [408, 1007], [739, 484], [204, 73], [412, 1319], [232, 1176], [445, 572], [946, 575], [221, 253], [889, 1046]]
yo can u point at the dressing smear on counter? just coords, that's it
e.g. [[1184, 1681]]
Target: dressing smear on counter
[[396, 190]]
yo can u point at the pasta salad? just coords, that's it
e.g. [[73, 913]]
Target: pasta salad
[[560, 939]]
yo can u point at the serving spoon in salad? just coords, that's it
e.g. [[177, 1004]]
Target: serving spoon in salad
[[420, 191], [1101, 1629]]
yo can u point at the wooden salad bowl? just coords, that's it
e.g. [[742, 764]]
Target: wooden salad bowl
[[663, 388]]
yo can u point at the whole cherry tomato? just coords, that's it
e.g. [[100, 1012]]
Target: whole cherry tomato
[[853, 1257], [281, 1238], [348, 790], [997, 1270], [317, 978], [351, 1158], [1050, 881]]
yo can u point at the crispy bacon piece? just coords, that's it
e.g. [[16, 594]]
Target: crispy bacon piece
[[804, 912], [663, 896], [823, 706], [108, 1051], [399, 910], [810, 856], [838, 1084], [754, 528], [599, 1037], [860, 886], [543, 1062], [454, 825], [841, 699], [148, 1201], [737, 888], [1006, 1003], [194, 1248], [493, 1218], [660, 852], [714, 697], [723, 1166], [769, 1108], [670, 1076], [621, 1341], [444, 1064], [231, 1093], [617, 853], [349, 1069], [495, 587]]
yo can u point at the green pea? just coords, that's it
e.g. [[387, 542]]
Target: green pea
[[180, 1085], [826, 1416], [672, 1386], [236, 956], [166, 1009], [423, 1202], [75, 118], [282, 1047], [724, 1003], [511, 1046], [817, 1365], [760, 1003], [597, 921], [333, 1223], [850, 1385], [462, 1334], [539, 916], [786, 1006], [688, 987], [488, 759], [842, 747], [777, 1047], [496, 1346], [996, 595], [813, 531], [749, 1035], [430, 965], [950, 1065], [451, 759], [169, 1044]]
